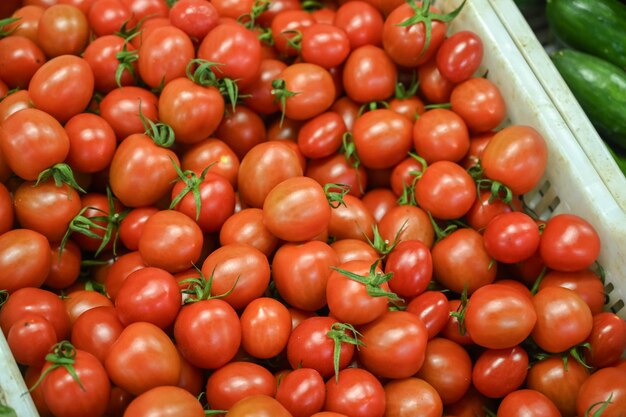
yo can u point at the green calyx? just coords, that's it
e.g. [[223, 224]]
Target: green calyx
[[162, 134], [339, 333], [199, 289], [192, 184], [249, 19], [4, 22], [61, 174], [335, 198], [281, 94], [205, 75], [372, 281], [63, 355]]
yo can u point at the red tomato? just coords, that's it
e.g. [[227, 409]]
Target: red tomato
[[516, 156], [65, 267], [412, 267], [247, 227], [301, 271], [96, 330], [241, 130], [284, 26], [445, 190], [406, 223], [460, 261], [586, 283], [607, 340], [258, 406], [236, 381], [65, 397], [148, 294], [258, 94], [139, 161], [121, 108], [258, 174], [325, 45], [569, 243], [193, 111], [407, 44], [321, 136], [237, 49], [194, 17], [165, 401], [30, 339], [10, 104], [107, 17], [432, 308], [20, 58], [31, 141], [433, 85], [484, 209], [296, 210], [101, 55], [143, 357], [354, 250], [219, 324], [216, 153], [607, 384], [25, 259], [479, 102], [379, 201], [304, 91], [62, 29], [170, 240], [440, 134], [511, 237], [28, 23], [526, 402], [351, 220], [79, 301], [382, 138], [369, 75], [498, 372], [356, 393], [362, 23], [265, 328], [336, 169], [499, 317], [119, 271], [302, 392], [240, 269], [460, 55], [412, 396], [143, 9], [7, 213], [350, 300], [558, 382], [92, 143], [563, 319], [164, 55], [448, 368], [310, 346], [394, 345]]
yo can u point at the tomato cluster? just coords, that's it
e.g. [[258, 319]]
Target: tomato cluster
[[283, 208]]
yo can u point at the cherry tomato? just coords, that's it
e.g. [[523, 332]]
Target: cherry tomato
[[362, 23], [25, 259], [382, 138], [479, 102], [607, 384], [527, 402], [101, 55], [195, 17], [216, 153], [412, 396], [607, 340], [411, 264], [440, 134], [432, 308], [356, 393], [325, 45], [460, 55], [121, 108], [20, 58], [569, 243], [30, 338], [369, 74], [302, 392], [586, 283], [432, 84], [62, 29], [165, 401], [498, 372], [92, 143], [258, 405], [96, 330]]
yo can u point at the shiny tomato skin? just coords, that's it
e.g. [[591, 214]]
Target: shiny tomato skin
[[143, 357], [10, 104], [62, 29], [259, 405], [516, 156], [569, 243], [586, 283], [354, 250], [499, 317], [216, 153], [600, 386], [440, 134], [237, 49], [164, 55], [92, 143], [107, 17], [325, 45], [460, 260], [484, 209], [479, 102], [120, 108], [407, 223], [382, 138], [321, 136], [335, 169], [313, 87], [96, 330], [445, 190], [31, 141], [563, 319], [101, 55], [379, 201], [7, 212], [195, 17], [310, 347], [607, 340], [219, 322], [193, 111], [366, 396], [236, 381], [239, 268], [558, 382], [258, 94], [30, 339], [432, 308], [301, 271], [448, 368], [362, 23], [351, 220], [138, 161], [80, 301], [498, 372], [20, 58], [65, 397], [149, 294], [412, 267], [394, 345], [460, 55], [165, 401], [296, 210], [526, 402], [302, 392], [412, 396], [25, 259], [265, 328], [123, 266], [246, 227], [433, 86], [369, 74], [28, 25]]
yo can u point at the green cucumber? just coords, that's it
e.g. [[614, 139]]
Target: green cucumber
[[600, 88], [620, 158], [597, 27]]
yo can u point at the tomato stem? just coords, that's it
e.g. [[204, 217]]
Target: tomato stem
[[402, 92], [575, 352], [439, 232], [348, 148], [61, 173], [461, 310], [382, 246], [437, 106], [371, 106], [537, 283], [372, 281], [311, 5], [3, 22], [603, 405], [281, 94], [249, 19], [200, 288], [335, 198], [192, 183], [126, 59], [338, 334], [498, 190], [162, 134], [63, 355], [294, 41]]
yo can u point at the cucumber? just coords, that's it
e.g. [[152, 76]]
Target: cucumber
[[600, 88], [597, 27], [620, 158]]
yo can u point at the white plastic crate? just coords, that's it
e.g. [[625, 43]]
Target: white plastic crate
[[581, 177], [580, 180]]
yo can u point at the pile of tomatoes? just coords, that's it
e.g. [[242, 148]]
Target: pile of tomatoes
[[283, 208]]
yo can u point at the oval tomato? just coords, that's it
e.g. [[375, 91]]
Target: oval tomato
[[356, 393], [569, 243], [498, 372], [25, 259], [165, 401], [460, 55], [302, 392], [236, 381], [412, 396]]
